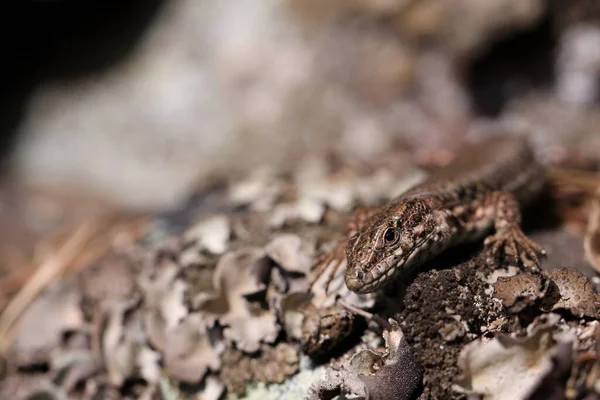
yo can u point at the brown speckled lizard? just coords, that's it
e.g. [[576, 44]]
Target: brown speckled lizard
[[483, 187]]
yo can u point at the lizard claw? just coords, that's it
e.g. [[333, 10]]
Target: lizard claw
[[332, 260], [512, 242], [335, 260]]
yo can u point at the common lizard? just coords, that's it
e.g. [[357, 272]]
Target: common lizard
[[483, 187]]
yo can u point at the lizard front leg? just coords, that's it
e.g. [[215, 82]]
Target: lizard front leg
[[509, 239], [335, 259]]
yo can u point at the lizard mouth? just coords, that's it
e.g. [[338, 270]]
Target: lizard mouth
[[357, 284]]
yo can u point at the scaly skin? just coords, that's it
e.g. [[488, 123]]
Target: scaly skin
[[483, 188]]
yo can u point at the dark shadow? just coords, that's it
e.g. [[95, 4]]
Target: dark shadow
[[540, 215], [511, 67], [54, 40]]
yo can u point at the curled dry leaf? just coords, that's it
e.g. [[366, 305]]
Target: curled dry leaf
[[317, 183], [259, 190], [509, 368], [293, 257], [211, 234], [24, 386], [149, 365], [54, 313], [591, 242], [248, 332], [123, 344], [394, 374], [192, 257], [163, 299], [189, 353], [74, 362], [308, 210], [165, 315], [521, 291], [513, 288], [213, 389], [577, 293], [291, 309], [112, 278], [291, 253], [238, 275], [557, 289]]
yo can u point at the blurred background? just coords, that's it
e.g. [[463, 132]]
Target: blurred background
[[138, 105]]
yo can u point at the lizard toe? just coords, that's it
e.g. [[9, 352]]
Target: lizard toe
[[513, 243]]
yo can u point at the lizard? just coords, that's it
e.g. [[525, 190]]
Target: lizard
[[483, 187]]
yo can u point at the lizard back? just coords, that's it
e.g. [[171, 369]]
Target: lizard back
[[504, 163]]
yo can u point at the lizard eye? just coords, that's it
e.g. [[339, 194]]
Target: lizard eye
[[390, 236]]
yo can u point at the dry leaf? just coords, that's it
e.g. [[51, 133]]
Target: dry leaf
[[506, 368]]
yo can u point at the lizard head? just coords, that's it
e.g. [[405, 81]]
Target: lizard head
[[391, 243]]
